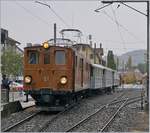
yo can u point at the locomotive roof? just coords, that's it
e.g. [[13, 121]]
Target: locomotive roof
[[39, 46], [98, 65]]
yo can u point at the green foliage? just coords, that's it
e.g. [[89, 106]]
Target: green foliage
[[12, 63], [142, 67], [117, 63], [110, 60]]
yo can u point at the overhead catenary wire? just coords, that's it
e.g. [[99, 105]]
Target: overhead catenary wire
[[123, 27], [115, 17], [58, 16], [135, 37], [31, 13], [126, 42]]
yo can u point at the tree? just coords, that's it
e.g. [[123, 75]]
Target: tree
[[142, 67], [117, 64], [12, 63], [129, 63], [123, 65], [110, 60]]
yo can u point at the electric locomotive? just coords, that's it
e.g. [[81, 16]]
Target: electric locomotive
[[55, 75]]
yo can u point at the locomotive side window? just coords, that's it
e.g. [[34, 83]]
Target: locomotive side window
[[47, 58], [33, 57], [60, 57]]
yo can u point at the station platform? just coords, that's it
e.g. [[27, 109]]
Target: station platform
[[16, 96]]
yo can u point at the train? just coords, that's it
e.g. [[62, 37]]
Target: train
[[56, 76]]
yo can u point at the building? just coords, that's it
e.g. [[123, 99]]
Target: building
[[93, 54], [131, 76], [9, 43]]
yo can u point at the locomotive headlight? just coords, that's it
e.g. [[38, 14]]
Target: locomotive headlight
[[27, 79], [45, 45], [63, 80]]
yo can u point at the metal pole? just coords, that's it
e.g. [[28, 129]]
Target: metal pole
[[94, 53], [148, 51], [54, 34]]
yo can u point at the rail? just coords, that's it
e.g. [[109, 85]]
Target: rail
[[104, 106], [134, 99], [20, 122]]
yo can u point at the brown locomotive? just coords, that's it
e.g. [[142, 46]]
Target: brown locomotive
[[55, 75]]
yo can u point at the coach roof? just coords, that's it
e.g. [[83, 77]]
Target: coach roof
[[103, 67]]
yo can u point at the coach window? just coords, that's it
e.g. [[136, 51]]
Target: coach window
[[91, 70], [33, 57], [60, 57], [47, 58]]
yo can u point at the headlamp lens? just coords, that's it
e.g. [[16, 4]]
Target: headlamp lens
[[28, 79], [45, 45], [63, 80]]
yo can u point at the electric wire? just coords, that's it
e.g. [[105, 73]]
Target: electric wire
[[123, 27], [115, 17], [32, 14], [58, 16]]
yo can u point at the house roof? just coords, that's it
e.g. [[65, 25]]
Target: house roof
[[19, 49], [10, 39]]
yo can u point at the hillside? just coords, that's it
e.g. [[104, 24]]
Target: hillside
[[138, 56]]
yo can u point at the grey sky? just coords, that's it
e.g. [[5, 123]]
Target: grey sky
[[28, 21]]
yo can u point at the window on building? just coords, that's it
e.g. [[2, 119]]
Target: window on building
[[33, 57], [91, 56], [60, 57], [47, 58], [83, 48]]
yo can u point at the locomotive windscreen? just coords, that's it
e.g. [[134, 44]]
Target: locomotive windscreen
[[60, 57], [33, 57]]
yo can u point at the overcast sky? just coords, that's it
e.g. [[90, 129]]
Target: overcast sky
[[28, 21]]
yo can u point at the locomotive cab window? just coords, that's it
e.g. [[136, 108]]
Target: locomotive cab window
[[60, 57], [33, 57]]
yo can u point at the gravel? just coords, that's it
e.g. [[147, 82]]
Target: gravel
[[70, 118], [125, 119], [16, 117]]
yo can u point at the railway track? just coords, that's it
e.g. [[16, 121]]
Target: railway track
[[43, 128], [20, 122], [53, 118], [67, 109], [125, 101]]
